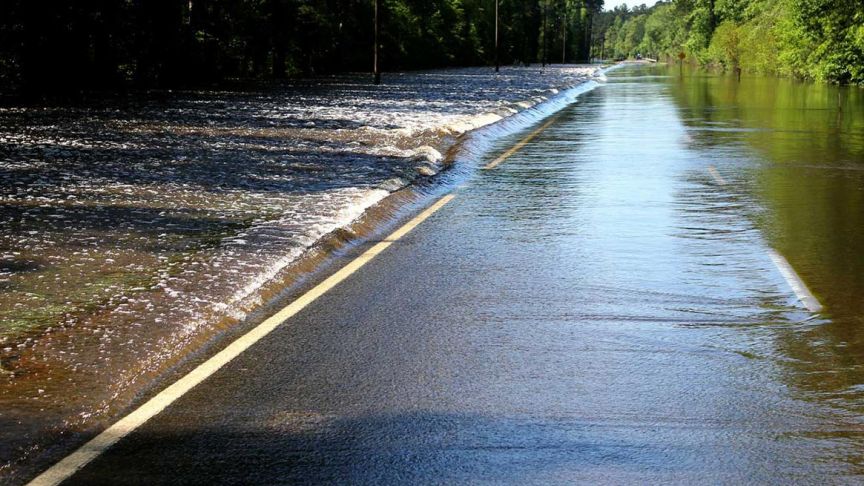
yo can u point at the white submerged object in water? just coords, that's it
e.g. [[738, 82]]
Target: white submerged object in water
[[798, 286]]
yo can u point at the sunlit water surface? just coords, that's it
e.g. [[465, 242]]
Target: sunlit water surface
[[131, 227], [627, 232], [169, 212]]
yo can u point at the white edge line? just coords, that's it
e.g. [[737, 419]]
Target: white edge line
[[789, 274], [74, 462], [798, 286], [716, 175]]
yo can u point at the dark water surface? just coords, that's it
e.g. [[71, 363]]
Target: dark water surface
[[628, 194], [655, 253]]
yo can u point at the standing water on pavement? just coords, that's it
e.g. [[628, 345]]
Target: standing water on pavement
[[602, 306], [134, 229], [640, 225]]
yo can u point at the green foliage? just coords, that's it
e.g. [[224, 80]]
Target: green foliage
[[759, 44], [75, 45], [812, 39], [731, 10], [725, 47], [702, 21]]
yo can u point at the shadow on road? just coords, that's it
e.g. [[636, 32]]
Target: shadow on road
[[413, 447]]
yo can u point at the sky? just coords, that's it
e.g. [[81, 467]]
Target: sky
[[610, 4]]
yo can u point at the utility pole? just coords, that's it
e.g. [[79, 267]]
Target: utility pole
[[588, 31], [375, 71], [497, 59], [564, 37], [545, 45]]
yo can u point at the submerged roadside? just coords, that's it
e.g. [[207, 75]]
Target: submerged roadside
[[146, 230]]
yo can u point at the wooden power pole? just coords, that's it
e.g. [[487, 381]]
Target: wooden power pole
[[564, 37], [375, 71], [545, 44], [497, 45]]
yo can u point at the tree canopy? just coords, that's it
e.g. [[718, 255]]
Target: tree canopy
[[73, 45], [811, 39]]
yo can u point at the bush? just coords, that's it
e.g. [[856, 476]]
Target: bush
[[725, 47]]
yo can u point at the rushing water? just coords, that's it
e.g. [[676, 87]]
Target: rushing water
[[132, 227], [165, 215], [105, 204], [602, 307]]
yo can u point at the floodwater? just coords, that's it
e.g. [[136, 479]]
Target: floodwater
[[793, 155], [647, 212], [601, 307], [133, 230], [104, 204]]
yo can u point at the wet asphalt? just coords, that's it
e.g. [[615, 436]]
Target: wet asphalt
[[595, 309]]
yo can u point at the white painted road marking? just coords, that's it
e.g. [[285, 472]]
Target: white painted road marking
[[94, 448], [789, 274], [512, 150], [798, 286], [716, 175]]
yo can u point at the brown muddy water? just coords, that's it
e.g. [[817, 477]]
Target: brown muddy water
[[794, 155], [134, 230]]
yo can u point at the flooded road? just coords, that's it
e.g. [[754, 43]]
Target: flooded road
[[173, 193], [135, 229], [601, 306]]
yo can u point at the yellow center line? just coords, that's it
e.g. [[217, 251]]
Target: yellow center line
[[98, 445], [506, 155]]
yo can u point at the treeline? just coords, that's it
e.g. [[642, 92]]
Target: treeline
[[811, 39], [64, 45]]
